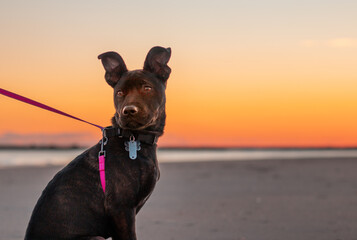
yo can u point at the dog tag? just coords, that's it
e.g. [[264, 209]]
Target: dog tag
[[132, 147]]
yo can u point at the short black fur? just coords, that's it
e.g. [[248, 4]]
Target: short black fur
[[73, 205]]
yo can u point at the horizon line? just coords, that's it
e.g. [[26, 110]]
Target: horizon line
[[75, 146]]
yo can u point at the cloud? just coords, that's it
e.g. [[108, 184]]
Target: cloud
[[332, 43], [58, 139], [342, 43]]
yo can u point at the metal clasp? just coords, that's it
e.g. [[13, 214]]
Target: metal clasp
[[104, 142], [132, 138]]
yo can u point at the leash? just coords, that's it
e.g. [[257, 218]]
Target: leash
[[132, 146], [101, 155], [43, 106]]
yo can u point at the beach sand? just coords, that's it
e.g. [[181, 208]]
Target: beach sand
[[235, 200]]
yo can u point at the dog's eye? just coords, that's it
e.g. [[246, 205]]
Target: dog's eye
[[147, 88], [120, 93]]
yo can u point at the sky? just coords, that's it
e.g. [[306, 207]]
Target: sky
[[244, 73]]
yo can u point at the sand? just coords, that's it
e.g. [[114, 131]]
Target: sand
[[236, 200]]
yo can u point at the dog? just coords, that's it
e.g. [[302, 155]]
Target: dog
[[75, 204]]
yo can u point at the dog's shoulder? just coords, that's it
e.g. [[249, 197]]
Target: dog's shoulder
[[82, 170]]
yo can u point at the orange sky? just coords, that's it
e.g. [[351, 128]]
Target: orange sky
[[243, 74]]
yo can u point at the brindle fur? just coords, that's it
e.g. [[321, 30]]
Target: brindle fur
[[73, 205]]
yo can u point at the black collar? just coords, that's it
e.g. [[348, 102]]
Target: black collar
[[141, 135]]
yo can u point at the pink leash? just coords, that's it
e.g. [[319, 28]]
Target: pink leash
[[48, 108]]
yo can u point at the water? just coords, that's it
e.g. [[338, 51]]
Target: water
[[36, 157], [10, 158]]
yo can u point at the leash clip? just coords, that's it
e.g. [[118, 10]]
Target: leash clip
[[104, 142]]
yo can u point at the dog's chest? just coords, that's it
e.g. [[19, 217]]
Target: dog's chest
[[131, 181]]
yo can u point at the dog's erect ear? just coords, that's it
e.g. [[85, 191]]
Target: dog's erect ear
[[114, 67], [156, 62]]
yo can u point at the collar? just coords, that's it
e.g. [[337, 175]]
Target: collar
[[132, 146], [141, 135]]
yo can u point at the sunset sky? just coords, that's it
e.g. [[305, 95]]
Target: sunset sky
[[244, 73]]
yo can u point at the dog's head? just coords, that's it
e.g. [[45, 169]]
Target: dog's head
[[139, 95]]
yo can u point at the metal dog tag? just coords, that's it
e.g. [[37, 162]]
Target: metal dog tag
[[132, 147]]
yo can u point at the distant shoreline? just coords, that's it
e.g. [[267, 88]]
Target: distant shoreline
[[34, 147], [205, 148]]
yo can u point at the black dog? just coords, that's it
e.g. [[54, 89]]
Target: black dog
[[73, 205]]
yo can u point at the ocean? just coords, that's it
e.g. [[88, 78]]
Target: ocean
[[36, 157]]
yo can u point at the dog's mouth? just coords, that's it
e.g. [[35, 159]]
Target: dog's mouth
[[134, 123]]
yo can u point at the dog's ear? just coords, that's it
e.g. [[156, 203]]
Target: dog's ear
[[156, 62], [114, 67]]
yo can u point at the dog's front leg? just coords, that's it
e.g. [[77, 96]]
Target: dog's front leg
[[124, 225]]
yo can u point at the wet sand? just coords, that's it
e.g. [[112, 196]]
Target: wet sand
[[236, 200]]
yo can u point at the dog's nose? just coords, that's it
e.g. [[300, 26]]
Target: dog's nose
[[130, 110]]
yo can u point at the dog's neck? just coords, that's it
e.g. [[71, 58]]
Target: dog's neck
[[126, 135], [157, 129]]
